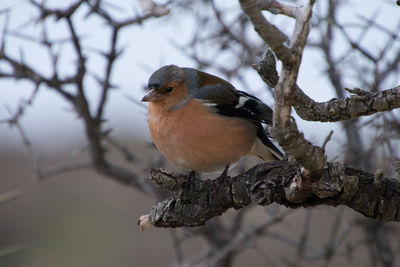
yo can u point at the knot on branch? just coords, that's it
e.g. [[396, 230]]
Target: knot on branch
[[266, 68]]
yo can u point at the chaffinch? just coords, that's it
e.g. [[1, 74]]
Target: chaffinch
[[202, 123]]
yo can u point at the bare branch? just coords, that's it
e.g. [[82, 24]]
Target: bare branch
[[268, 32], [327, 139], [25, 141], [363, 104], [276, 7], [237, 241], [284, 130], [92, 123], [63, 168], [58, 13], [21, 108], [22, 71], [340, 184]]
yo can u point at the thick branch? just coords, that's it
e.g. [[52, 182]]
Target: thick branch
[[362, 104], [278, 182], [284, 129], [347, 108]]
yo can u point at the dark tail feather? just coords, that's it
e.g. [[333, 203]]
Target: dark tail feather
[[263, 136]]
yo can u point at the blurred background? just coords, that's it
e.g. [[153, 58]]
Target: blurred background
[[56, 209]]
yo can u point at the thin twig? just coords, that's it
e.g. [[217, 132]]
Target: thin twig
[[327, 139]]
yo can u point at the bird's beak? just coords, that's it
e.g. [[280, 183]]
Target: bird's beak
[[151, 96]]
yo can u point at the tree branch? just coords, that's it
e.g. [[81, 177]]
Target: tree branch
[[276, 7], [268, 32], [284, 129], [92, 122], [279, 182], [362, 104]]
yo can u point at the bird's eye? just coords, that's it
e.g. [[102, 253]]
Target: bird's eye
[[169, 90]]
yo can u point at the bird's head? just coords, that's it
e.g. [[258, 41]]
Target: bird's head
[[166, 87]]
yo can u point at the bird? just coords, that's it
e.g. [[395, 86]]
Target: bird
[[202, 123]]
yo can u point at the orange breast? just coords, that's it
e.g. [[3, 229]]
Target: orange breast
[[196, 139]]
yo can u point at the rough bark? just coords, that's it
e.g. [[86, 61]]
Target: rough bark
[[361, 103], [277, 182]]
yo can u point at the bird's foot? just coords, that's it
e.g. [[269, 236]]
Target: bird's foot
[[224, 175]]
